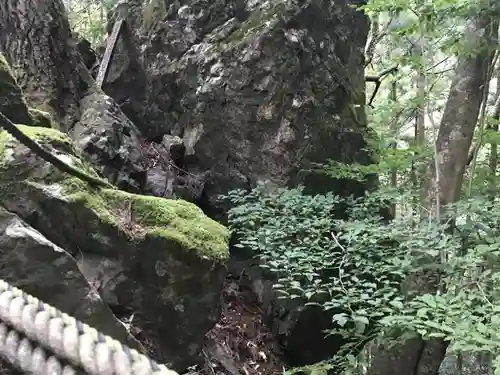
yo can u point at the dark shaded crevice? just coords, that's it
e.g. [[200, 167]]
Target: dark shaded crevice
[[419, 356]]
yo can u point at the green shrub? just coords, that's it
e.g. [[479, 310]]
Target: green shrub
[[341, 254]]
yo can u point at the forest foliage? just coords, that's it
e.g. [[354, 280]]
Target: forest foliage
[[363, 264]]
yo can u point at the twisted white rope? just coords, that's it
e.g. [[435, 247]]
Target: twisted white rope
[[40, 339]]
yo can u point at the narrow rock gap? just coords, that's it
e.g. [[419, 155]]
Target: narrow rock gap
[[241, 342]]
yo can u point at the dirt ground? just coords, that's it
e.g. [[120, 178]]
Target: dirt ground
[[240, 343]]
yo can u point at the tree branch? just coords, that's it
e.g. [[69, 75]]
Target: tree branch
[[377, 79]]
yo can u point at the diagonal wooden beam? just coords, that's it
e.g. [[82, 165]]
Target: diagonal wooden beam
[[122, 10]]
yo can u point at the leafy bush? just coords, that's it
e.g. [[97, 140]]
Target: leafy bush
[[341, 254], [352, 267]]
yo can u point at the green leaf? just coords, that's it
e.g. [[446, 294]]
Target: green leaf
[[361, 319], [341, 319], [397, 304]]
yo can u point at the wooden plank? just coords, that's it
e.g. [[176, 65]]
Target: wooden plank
[[122, 10]]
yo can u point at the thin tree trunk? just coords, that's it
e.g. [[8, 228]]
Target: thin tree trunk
[[419, 172], [394, 131], [420, 118], [493, 159], [416, 356], [37, 42], [374, 40], [461, 112]]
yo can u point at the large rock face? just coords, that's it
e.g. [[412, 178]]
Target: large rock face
[[161, 260], [257, 90]]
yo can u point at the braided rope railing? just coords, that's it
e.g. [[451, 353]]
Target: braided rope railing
[[40, 339]]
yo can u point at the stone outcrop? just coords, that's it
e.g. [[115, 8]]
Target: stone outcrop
[[93, 252], [43, 269], [258, 91], [162, 260]]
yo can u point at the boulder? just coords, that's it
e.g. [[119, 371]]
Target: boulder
[[258, 90], [111, 141], [161, 261], [39, 267]]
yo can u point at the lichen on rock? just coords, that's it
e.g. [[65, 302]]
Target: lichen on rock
[[161, 258], [153, 13]]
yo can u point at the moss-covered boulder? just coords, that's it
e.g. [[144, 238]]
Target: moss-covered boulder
[[41, 118], [160, 261]]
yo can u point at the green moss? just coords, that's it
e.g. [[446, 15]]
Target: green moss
[[135, 215], [4, 142], [319, 368], [153, 13], [8, 84], [59, 142], [41, 118], [257, 22], [4, 66], [140, 216], [12, 102], [178, 220], [51, 139]]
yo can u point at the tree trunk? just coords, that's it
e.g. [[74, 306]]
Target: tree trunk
[[462, 109], [36, 38], [416, 356], [493, 159], [37, 42]]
